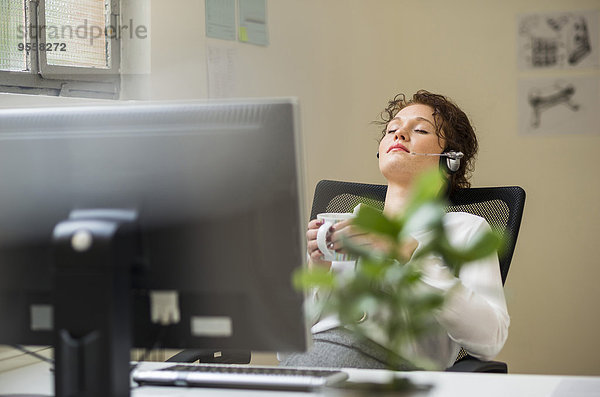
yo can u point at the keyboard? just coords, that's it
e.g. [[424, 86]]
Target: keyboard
[[240, 376]]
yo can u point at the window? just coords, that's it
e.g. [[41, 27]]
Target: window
[[60, 47], [13, 16]]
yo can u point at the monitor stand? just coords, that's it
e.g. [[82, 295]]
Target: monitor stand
[[94, 251]]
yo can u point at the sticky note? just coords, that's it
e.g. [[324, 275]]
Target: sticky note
[[243, 34]]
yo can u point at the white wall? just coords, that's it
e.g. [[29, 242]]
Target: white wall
[[345, 58]]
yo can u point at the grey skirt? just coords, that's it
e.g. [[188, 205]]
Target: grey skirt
[[338, 347]]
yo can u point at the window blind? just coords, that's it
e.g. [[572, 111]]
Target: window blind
[[80, 27]]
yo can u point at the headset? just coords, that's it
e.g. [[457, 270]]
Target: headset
[[452, 161], [449, 160]]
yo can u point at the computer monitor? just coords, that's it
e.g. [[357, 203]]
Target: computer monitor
[[102, 208]]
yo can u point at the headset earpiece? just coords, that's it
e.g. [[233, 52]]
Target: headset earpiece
[[451, 162]]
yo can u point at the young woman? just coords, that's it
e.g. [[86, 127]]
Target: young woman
[[474, 314]]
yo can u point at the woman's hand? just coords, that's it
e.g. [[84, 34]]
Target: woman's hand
[[345, 231], [407, 249], [314, 254]]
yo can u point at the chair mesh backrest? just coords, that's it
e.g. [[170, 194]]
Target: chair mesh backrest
[[502, 207]]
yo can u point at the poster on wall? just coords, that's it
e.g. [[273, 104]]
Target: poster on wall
[[566, 40], [559, 105], [220, 19], [253, 22], [220, 66]]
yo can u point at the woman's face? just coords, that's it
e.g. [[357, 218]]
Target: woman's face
[[412, 130]]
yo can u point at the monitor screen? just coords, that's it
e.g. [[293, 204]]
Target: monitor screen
[[214, 194]]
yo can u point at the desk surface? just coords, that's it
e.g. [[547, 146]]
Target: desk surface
[[37, 379]]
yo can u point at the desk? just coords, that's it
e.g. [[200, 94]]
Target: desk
[[39, 380]]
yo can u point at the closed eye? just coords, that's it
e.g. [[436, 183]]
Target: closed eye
[[422, 131]]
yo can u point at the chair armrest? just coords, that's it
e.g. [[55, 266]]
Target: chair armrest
[[212, 356], [471, 364]]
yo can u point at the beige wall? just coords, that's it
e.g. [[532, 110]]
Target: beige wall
[[345, 58]]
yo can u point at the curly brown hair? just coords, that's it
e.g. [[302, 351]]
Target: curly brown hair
[[451, 124]]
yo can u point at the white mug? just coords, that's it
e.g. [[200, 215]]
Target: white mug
[[330, 219]]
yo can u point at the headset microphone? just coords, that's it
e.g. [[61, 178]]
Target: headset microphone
[[452, 158]]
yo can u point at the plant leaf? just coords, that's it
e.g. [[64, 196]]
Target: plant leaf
[[428, 216], [428, 187], [483, 245], [374, 221], [305, 278]]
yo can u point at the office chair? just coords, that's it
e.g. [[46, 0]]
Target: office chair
[[501, 207]]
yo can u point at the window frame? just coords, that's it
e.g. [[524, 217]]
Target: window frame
[[52, 80]]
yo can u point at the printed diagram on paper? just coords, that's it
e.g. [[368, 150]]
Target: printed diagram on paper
[[558, 40], [545, 98], [566, 105]]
